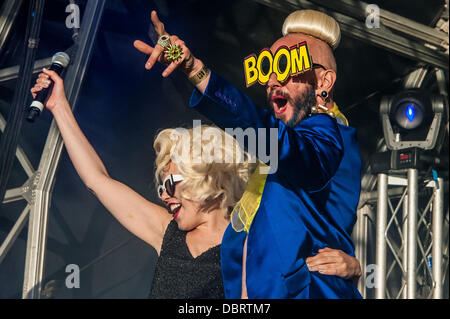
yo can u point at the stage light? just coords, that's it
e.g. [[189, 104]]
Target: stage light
[[410, 113], [411, 118]]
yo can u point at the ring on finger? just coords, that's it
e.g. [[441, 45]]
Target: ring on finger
[[164, 41], [173, 52]]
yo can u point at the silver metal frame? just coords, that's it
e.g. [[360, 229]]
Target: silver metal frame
[[9, 11], [14, 233], [37, 190], [437, 254], [382, 209], [405, 258], [405, 244], [437, 40], [357, 9], [413, 199], [417, 42], [13, 71], [37, 229], [20, 154], [408, 248]]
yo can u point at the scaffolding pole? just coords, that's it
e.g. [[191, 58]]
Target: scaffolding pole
[[382, 209], [37, 228], [412, 232], [437, 224], [405, 245], [361, 238], [416, 243]]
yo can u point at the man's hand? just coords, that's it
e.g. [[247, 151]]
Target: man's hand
[[335, 262], [187, 63]]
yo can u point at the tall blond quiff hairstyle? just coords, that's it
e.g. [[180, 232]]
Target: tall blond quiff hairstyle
[[218, 181], [314, 23]]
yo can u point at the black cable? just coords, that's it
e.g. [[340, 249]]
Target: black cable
[[10, 137]]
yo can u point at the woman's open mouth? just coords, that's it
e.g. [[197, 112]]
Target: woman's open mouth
[[174, 209], [279, 103]]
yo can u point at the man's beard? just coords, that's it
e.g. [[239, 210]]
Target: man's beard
[[302, 107]]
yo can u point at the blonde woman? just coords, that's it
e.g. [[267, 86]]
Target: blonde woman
[[198, 196], [310, 201]]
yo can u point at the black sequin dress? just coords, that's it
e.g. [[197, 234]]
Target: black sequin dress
[[179, 275]]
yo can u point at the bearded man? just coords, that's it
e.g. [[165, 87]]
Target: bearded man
[[310, 201]]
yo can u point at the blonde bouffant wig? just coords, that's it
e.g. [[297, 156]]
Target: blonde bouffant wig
[[314, 23], [215, 181]]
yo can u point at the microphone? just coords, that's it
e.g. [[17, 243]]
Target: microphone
[[59, 61]]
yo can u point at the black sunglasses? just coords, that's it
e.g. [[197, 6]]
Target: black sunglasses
[[265, 65], [168, 185], [282, 64]]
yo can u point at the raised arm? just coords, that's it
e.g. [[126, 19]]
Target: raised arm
[[209, 88], [309, 153], [144, 219], [187, 63]]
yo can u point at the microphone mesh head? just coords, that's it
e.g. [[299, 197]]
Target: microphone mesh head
[[61, 58]]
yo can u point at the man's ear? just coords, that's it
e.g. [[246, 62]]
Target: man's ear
[[325, 81]]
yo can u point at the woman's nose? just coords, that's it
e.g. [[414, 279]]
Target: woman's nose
[[164, 196]]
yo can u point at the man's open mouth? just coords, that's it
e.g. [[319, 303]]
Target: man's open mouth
[[279, 103]]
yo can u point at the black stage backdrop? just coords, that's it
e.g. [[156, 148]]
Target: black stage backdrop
[[122, 106]]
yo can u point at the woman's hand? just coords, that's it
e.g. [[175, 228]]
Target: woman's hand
[[57, 96], [335, 262], [187, 63]]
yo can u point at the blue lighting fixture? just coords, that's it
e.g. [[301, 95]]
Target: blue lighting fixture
[[410, 113], [412, 118]]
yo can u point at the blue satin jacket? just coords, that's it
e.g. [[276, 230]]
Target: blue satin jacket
[[307, 204]]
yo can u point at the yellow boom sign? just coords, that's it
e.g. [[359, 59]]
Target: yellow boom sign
[[297, 60]]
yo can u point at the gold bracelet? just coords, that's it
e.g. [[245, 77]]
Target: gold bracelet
[[200, 75]]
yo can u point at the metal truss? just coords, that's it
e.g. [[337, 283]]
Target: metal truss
[[8, 13], [37, 189], [411, 257], [374, 230], [412, 236], [362, 238], [411, 39], [12, 72]]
